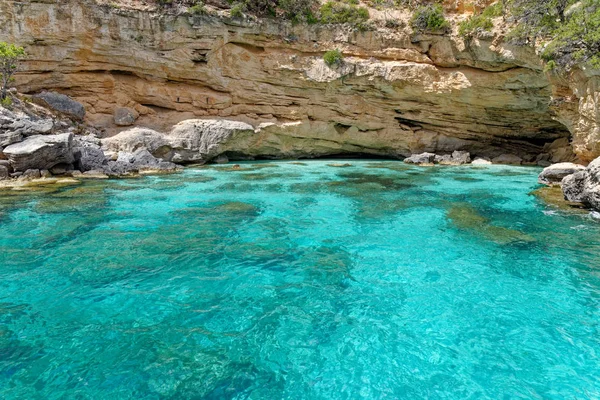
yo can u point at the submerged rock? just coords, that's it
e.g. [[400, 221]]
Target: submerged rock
[[554, 174], [465, 217]]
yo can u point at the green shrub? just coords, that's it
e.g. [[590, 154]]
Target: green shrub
[[237, 11], [429, 18], [474, 25], [335, 12], [572, 34], [333, 57], [6, 102], [197, 9], [10, 55]]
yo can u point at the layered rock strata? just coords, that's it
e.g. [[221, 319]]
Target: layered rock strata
[[395, 94]]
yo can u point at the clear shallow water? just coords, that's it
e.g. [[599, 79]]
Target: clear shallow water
[[299, 280]]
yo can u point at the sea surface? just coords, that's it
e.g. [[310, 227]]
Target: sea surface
[[300, 280]]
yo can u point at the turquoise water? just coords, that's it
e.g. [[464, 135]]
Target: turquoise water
[[300, 281]]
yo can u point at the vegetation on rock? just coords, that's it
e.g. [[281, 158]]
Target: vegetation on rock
[[429, 18], [570, 28], [9, 61], [479, 23], [333, 57]]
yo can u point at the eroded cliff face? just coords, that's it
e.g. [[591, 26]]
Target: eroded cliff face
[[394, 94]]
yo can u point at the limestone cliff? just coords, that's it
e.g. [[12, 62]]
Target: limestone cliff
[[396, 93]]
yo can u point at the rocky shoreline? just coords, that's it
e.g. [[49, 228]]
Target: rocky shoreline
[[44, 141]]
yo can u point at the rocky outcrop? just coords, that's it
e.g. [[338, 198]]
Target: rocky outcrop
[[584, 186], [508, 159], [201, 140], [41, 152], [554, 174], [61, 103], [421, 159], [395, 94]]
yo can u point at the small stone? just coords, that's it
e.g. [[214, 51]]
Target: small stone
[[45, 173]]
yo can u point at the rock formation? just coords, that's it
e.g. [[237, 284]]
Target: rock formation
[[584, 186], [554, 174], [395, 94]]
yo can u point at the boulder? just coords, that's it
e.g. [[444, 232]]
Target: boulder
[[45, 173], [125, 116], [41, 152], [6, 164], [61, 103], [31, 174], [481, 161], [443, 160], [461, 157], [508, 159], [222, 159], [141, 160], [584, 186], [198, 140], [134, 139], [4, 174], [423, 158], [28, 127], [61, 169], [554, 174], [91, 158]]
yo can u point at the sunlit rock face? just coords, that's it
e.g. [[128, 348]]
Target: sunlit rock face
[[395, 94]]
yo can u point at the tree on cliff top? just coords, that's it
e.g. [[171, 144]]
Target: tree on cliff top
[[9, 61]]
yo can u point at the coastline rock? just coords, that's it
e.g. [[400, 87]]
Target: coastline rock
[[31, 174], [140, 161], [423, 158], [584, 186], [222, 159], [134, 139], [461, 157], [4, 172], [6, 164], [91, 158], [443, 160], [198, 140], [61, 169], [509, 159], [481, 161], [41, 152], [61, 103], [555, 173]]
